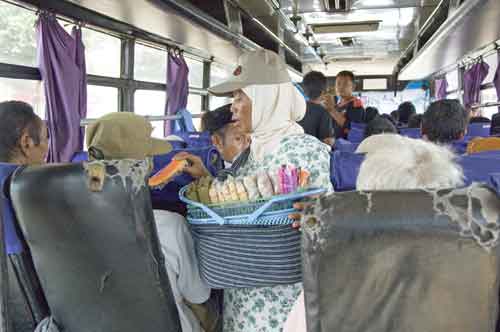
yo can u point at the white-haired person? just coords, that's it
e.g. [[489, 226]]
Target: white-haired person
[[394, 162]]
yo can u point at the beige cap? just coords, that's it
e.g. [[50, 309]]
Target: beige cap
[[259, 67], [124, 135]]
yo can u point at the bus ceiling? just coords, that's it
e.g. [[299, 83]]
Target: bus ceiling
[[411, 39]]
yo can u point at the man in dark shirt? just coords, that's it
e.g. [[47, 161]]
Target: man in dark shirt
[[349, 108], [317, 122], [476, 116]]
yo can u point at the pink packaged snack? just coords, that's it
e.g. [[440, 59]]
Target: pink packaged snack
[[288, 179]]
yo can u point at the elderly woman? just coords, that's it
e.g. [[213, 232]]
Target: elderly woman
[[395, 162], [267, 106]]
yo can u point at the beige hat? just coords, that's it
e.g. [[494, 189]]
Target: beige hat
[[259, 67], [124, 135]]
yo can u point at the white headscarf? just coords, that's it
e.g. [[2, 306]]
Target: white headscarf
[[276, 109]]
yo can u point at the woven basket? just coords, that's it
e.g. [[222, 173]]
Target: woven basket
[[247, 245]]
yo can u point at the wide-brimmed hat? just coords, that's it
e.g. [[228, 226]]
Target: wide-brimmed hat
[[261, 67], [124, 135]]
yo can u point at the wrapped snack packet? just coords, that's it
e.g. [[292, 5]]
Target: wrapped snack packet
[[192, 193], [303, 179], [265, 186], [294, 178], [203, 189], [220, 192], [242, 192], [231, 185], [226, 192], [251, 187], [275, 180], [288, 179], [214, 196]]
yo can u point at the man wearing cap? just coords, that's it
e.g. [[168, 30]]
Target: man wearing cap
[[128, 136]]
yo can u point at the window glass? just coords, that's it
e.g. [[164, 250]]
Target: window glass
[[195, 72], [489, 96], [294, 76], [102, 53], [492, 61], [29, 91], [17, 35], [218, 73], [101, 100], [386, 102], [194, 106], [452, 80], [148, 102], [150, 64], [452, 96]]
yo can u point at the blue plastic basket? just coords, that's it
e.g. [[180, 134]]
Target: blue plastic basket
[[250, 244], [272, 211]]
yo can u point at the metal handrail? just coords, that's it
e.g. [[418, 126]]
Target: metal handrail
[[150, 118]]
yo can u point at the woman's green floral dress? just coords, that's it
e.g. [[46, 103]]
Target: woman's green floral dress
[[265, 309]]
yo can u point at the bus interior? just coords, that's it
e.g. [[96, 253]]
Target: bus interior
[[388, 260]]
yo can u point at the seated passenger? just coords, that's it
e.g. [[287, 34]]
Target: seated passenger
[[405, 111], [476, 116], [267, 106], [415, 121], [395, 162], [379, 125], [128, 136], [226, 137], [495, 125], [395, 117], [317, 122], [371, 113], [444, 122], [348, 109], [23, 135]]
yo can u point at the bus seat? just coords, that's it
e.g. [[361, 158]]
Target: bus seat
[[167, 197], [481, 144], [479, 130], [345, 166], [373, 262], [80, 157], [495, 182], [195, 139], [26, 301], [356, 132], [97, 252], [411, 132], [344, 145]]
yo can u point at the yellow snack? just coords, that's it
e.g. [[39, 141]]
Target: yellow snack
[[251, 187], [203, 189], [241, 191], [214, 196], [231, 187], [191, 192]]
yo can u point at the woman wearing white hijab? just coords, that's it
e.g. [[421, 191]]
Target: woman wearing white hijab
[[267, 106]]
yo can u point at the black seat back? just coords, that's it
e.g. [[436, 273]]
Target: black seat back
[[400, 261], [97, 252]]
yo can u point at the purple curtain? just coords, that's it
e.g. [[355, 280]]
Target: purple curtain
[[61, 60], [440, 88], [472, 83], [177, 88], [496, 81]]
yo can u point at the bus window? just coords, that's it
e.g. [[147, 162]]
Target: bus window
[[17, 35], [101, 100], [489, 96], [150, 64], [194, 107], [29, 91], [102, 53], [148, 102], [195, 72]]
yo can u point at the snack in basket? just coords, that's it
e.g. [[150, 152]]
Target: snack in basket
[[213, 192], [167, 173], [265, 185], [250, 183], [242, 192], [192, 193], [226, 192], [220, 192], [231, 184], [203, 189], [275, 180], [303, 178], [288, 179]]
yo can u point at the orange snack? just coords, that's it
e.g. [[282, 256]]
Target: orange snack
[[167, 173]]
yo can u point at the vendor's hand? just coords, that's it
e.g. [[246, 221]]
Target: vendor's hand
[[328, 102], [195, 167], [300, 207]]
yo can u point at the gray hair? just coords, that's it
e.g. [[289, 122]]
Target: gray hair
[[396, 163]]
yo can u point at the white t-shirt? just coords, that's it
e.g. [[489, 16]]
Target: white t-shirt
[[182, 266]]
